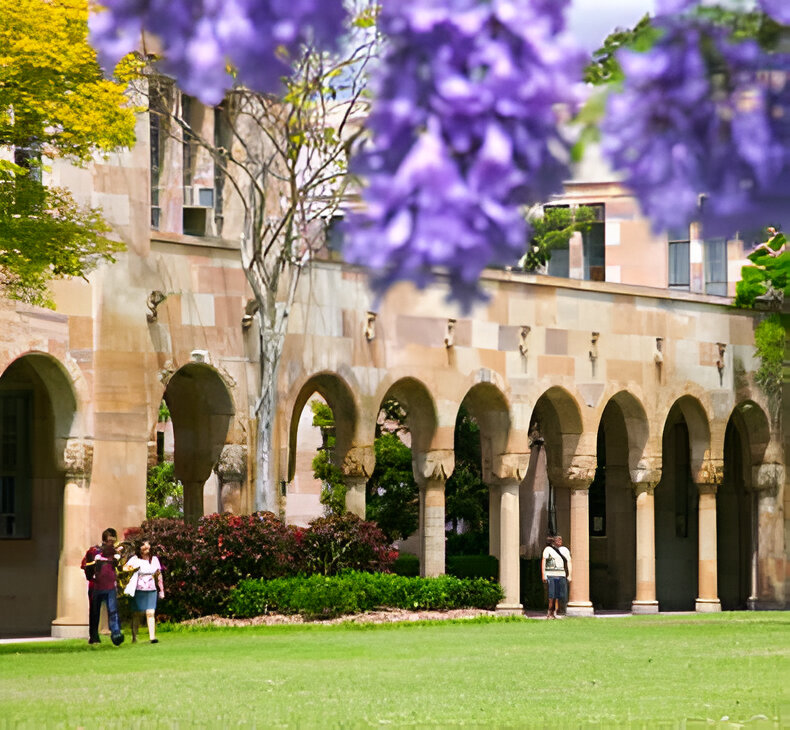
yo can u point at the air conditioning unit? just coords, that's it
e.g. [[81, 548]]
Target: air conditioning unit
[[198, 196]]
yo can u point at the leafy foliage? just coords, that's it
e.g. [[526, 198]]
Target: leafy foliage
[[466, 495], [770, 266], [325, 597], [552, 229], [45, 234], [769, 339], [333, 487], [202, 563], [392, 500], [54, 102], [338, 543], [164, 493]]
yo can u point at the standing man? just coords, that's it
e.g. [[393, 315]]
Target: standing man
[[552, 571], [565, 554], [99, 565]]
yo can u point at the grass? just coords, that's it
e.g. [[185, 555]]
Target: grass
[[665, 671]]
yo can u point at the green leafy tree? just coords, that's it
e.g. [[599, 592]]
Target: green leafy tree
[[770, 268], [392, 500], [54, 102], [552, 229], [466, 495], [333, 489], [164, 493]]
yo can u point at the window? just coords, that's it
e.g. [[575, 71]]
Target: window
[[155, 132], [716, 267], [679, 267], [15, 484], [594, 245]]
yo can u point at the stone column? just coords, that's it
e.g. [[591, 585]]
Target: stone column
[[708, 600], [231, 471], [509, 561], [645, 601], [494, 502], [431, 470], [579, 599], [72, 602], [358, 465], [193, 502], [769, 557]]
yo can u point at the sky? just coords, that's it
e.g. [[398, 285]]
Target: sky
[[592, 20]]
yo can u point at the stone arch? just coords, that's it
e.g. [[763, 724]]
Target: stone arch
[[336, 391], [622, 437], [685, 463], [746, 441], [202, 409], [38, 413], [488, 405], [421, 416]]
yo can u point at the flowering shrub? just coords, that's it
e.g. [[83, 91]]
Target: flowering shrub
[[202, 563], [338, 543], [328, 596]]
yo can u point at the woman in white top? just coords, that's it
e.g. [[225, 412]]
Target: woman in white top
[[143, 588]]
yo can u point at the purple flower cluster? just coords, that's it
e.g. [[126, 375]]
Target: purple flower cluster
[[779, 10], [464, 132], [202, 38], [700, 114]]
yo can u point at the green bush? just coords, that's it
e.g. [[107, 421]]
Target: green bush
[[318, 596], [533, 592], [406, 564], [473, 566]]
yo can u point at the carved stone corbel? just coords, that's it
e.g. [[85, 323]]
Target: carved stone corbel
[[78, 460], [359, 461]]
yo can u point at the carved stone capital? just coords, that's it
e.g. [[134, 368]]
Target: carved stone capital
[[78, 459], [578, 475], [768, 478], [232, 464], [644, 488], [437, 464], [707, 487], [711, 472], [360, 461], [647, 471], [508, 467]]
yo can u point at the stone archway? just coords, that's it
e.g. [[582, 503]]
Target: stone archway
[[38, 409], [745, 441], [202, 410], [622, 437], [685, 445], [336, 393]]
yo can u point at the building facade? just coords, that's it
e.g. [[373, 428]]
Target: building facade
[[622, 386]]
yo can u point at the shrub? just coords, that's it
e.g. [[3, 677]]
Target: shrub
[[164, 493], [338, 543], [406, 564], [202, 563], [328, 596], [473, 566]]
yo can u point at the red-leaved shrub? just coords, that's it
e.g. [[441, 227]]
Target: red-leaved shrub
[[202, 563]]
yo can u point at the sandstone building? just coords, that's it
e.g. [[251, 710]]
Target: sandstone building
[[626, 361]]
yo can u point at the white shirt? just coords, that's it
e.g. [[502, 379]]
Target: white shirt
[[146, 569]]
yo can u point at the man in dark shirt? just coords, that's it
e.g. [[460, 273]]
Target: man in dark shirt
[[99, 566]]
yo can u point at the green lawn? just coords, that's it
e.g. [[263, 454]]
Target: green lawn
[[668, 671]]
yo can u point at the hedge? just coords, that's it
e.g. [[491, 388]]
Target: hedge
[[354, 592], [202, 563]]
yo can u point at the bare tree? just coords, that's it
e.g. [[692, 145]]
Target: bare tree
[[283, 166]]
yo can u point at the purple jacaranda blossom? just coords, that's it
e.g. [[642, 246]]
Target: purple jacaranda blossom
[[464, 131], [702, 137], [779, 10], [202, 38]]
